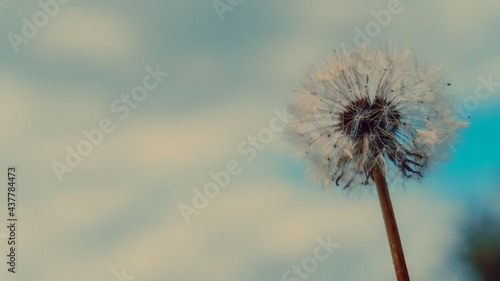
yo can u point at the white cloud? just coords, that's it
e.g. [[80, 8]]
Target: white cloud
[[91, 34], [206, 139], [275, 223]]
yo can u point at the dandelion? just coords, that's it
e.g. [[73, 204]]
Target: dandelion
[[373, 114]]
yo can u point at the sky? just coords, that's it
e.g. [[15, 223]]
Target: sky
[[217, 74]]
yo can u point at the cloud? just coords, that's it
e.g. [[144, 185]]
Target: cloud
[[276, 224], [90, 34]]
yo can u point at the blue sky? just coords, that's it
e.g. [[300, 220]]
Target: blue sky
[[120, 207]]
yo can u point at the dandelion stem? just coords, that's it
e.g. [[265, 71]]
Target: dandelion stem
[[391, 225]]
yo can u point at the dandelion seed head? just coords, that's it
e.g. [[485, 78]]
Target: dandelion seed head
[[372, 106]]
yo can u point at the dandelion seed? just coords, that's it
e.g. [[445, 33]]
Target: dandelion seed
[[374, 114], [373, 107]]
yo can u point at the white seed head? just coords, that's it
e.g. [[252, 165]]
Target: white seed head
[[372, 106]]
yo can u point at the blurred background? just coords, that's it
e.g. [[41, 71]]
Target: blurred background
[[64, 64]]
